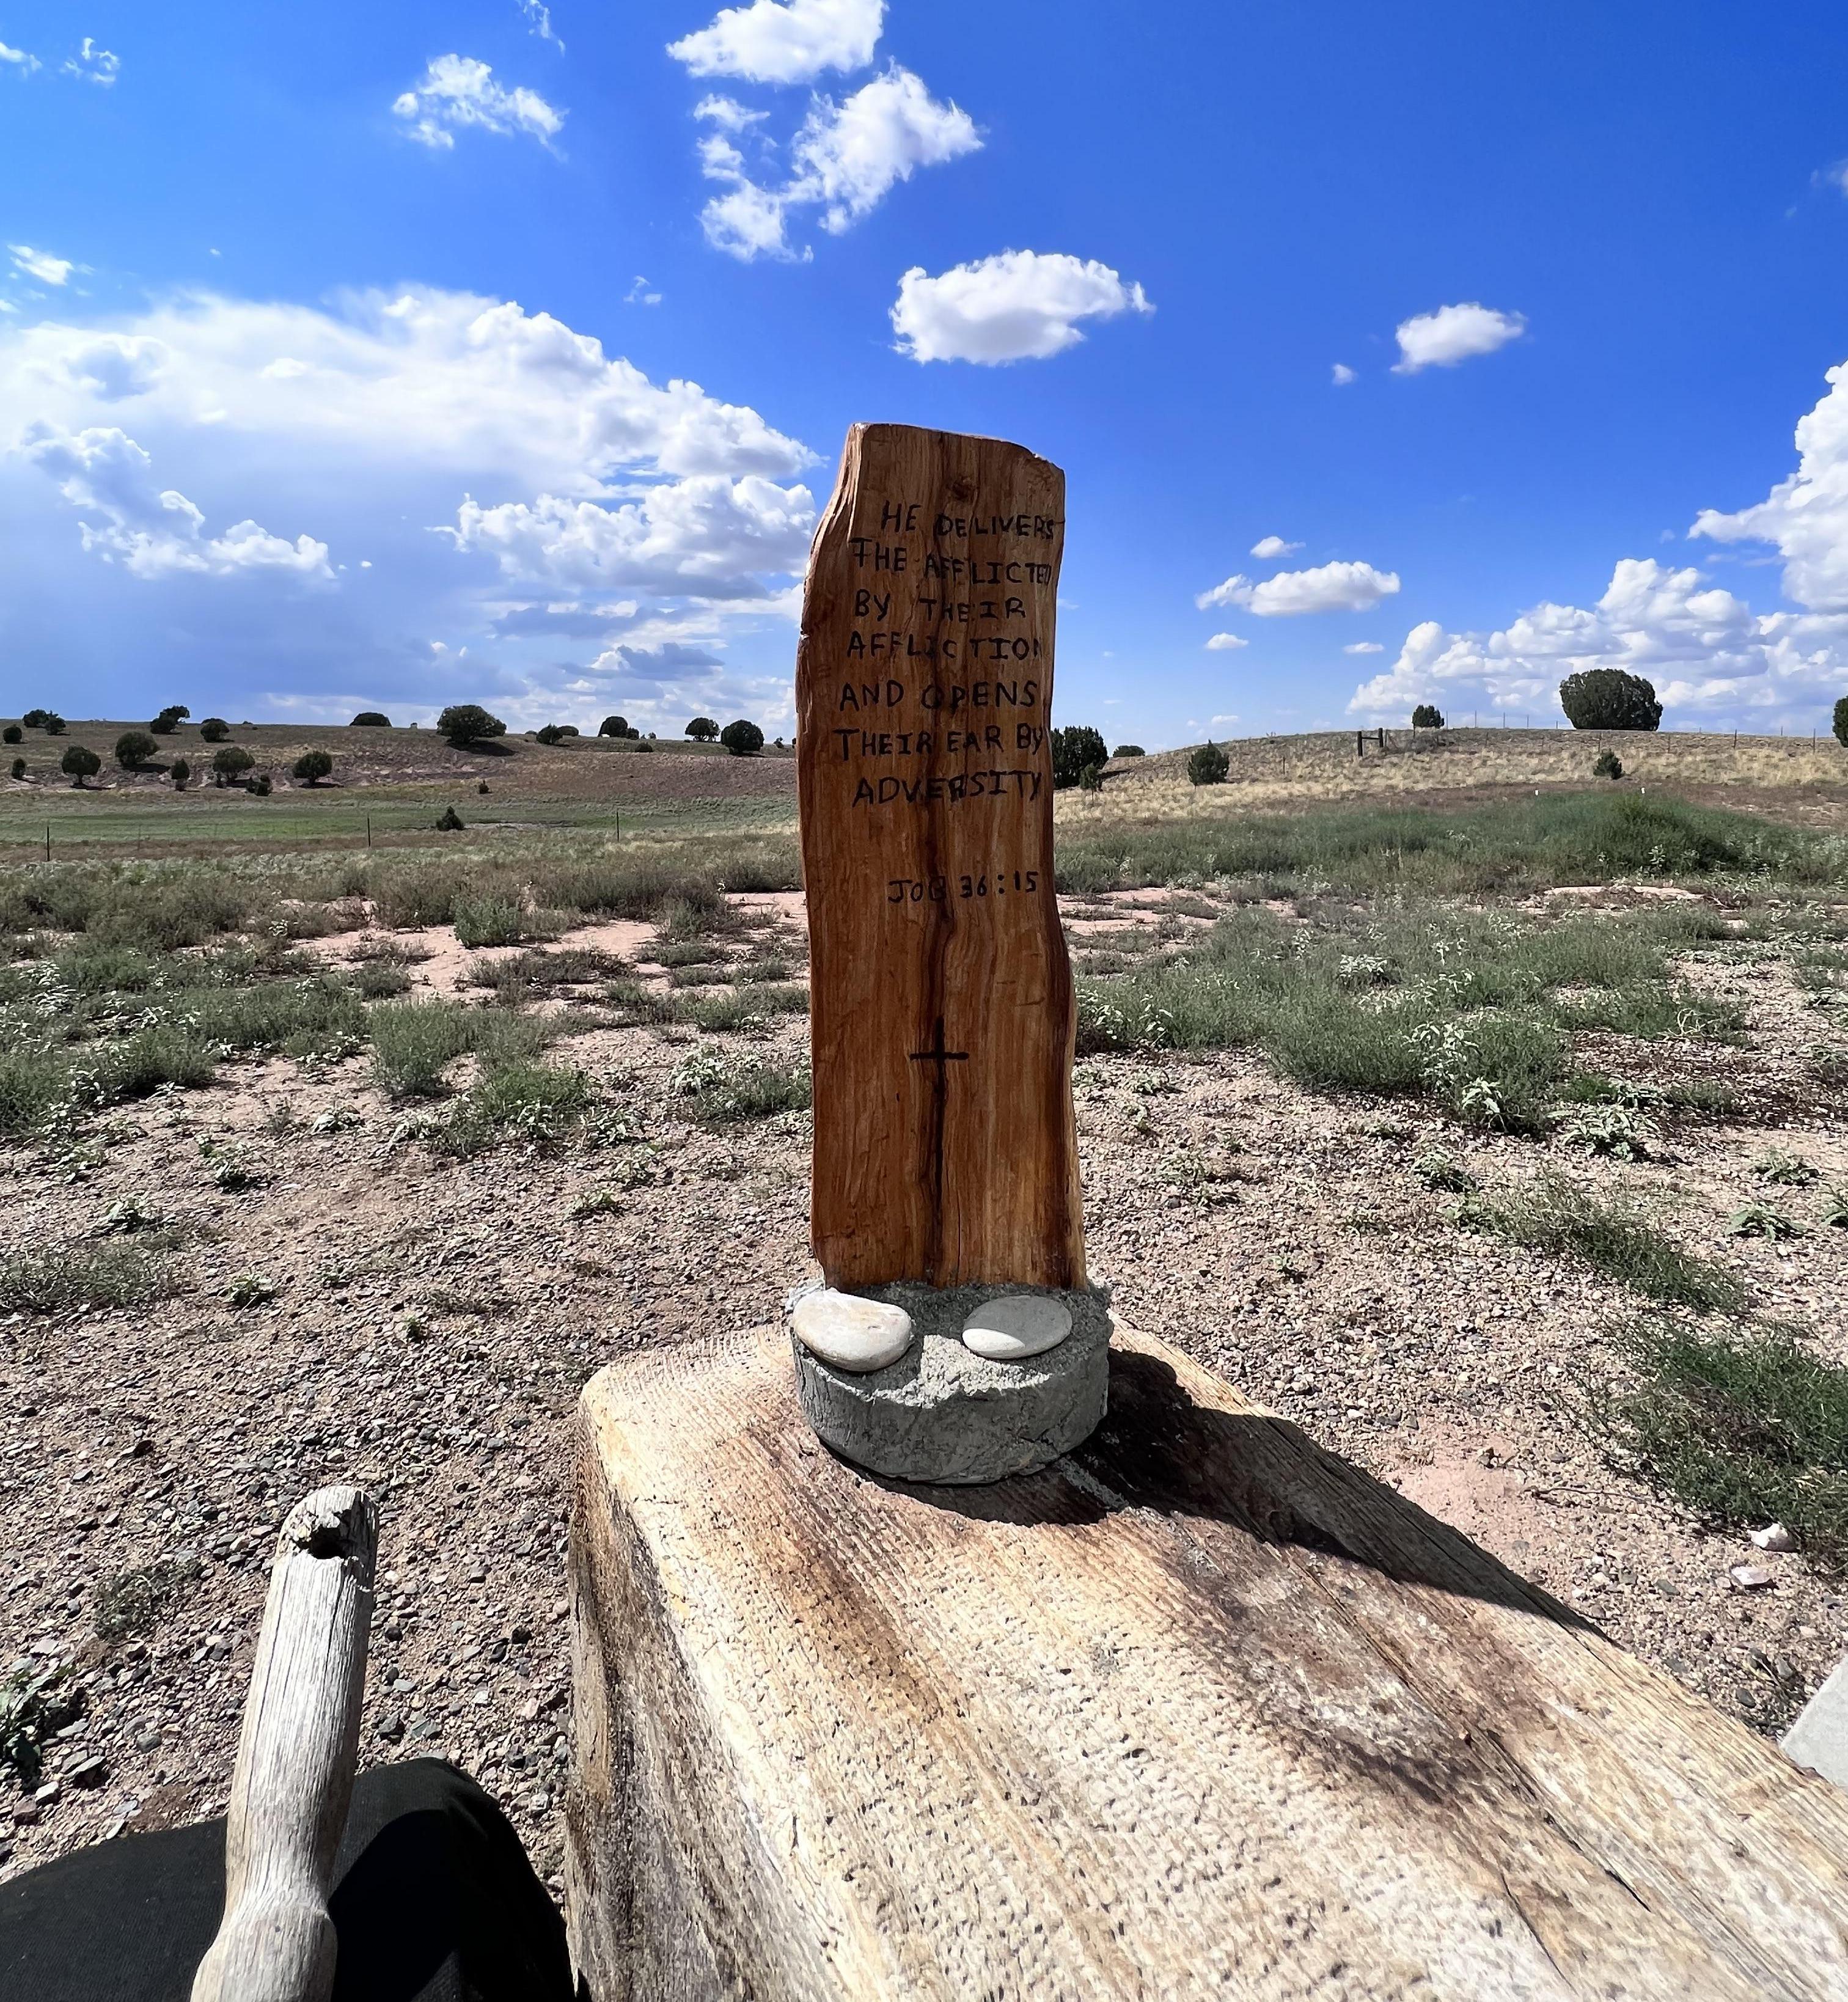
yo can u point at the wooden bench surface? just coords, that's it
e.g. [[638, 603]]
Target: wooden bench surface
[[1201, 1710]]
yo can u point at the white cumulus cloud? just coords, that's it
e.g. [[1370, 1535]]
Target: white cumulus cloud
[[1269, 548], [784, 41], [1223, 643], [1452, 334], [848, 155], [578, 536], [458, 91], [17, 60], [1331, 586], [707, 535], [1805, 516], [747, 223], [846, 159], [40, 264], [1017, 306], [1704, 647], [1342, 375], [154, 532], [1364, 646]]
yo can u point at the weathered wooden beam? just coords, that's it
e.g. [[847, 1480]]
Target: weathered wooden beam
[[1199, 1710], [294, 1776]]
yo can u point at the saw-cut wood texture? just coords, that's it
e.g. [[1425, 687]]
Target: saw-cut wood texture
[[940, 995], [1201, 1710], [294, 1776]]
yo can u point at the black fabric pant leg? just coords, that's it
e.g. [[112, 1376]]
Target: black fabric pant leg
[[434, 1901]]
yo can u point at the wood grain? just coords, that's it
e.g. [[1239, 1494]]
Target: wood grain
[[941, 997], [1200, 1711], [293, 1777]]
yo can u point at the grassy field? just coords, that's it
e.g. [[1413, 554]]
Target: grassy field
[[1804, 773], [1491, 1124], [388, 786]]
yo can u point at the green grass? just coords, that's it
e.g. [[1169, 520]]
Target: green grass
[[1505, 847], [489, 921], [377, 980], [571, 966], [632, 1001], [68, 1278], [1742, 1430], [735, 1008], [1472, 1009], [532, 1104], [415, 1042], [1559, 1215], [273, 1014], [724, 1091]]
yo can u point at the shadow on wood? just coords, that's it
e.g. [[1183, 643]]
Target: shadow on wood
[[1158, 1449]]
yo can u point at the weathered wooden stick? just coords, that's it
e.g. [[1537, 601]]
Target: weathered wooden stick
[[295, 1759]]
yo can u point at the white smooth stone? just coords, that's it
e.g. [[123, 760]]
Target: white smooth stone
[[1016, 1326], [849, 1333]]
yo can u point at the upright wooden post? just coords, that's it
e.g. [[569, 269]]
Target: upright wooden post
[[941, 1001]]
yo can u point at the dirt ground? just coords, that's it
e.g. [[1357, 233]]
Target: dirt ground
[[431, 1323]]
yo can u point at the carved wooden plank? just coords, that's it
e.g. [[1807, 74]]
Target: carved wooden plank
[[1200, 1711], [941, 999], [293, 1777]]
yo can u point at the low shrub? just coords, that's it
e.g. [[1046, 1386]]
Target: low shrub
[[374, 980], [269, 1015], [130, 1602], [724, 1091], [415, 1042], [1208, 766], [531, 1104], [633, 1003], [489, 921]]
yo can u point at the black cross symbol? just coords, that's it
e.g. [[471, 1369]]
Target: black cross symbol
[[939, 1055]]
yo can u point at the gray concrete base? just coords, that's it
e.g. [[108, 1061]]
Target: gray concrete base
[[1819, 1739], [941, 1414]]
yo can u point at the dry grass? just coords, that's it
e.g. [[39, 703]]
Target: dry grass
[[1299, 770]]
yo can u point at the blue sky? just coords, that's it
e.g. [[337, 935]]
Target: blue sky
[[348, 356]]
